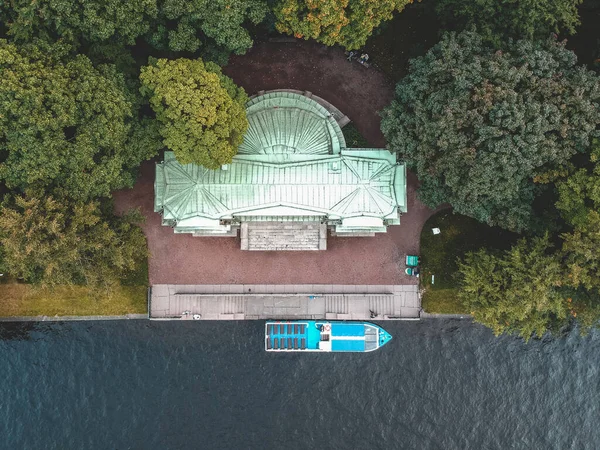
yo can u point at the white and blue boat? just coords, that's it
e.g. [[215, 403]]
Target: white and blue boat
[[323, 336]]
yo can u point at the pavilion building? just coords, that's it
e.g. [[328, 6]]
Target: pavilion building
[[292, 180]]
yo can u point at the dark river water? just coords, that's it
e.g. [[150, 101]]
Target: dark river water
[[440, 384]]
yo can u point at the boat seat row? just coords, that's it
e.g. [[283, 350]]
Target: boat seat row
[[285, 343], [286, 329]]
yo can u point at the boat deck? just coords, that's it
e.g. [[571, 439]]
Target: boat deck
[[324, 336], [288, 336]]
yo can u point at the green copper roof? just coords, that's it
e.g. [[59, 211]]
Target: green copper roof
[[292, 164], [328, 185], [283, 122]]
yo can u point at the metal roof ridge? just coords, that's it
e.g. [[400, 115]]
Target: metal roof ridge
[[306, 159]]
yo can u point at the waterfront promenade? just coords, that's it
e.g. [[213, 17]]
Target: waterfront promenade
[[285, 302]]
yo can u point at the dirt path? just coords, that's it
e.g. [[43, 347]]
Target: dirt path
[[359, 93]]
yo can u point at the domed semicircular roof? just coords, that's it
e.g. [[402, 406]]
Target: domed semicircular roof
[[285, 122]]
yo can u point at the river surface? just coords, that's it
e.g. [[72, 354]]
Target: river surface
[[439, 384]]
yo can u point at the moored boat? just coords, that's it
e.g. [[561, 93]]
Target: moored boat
[[324, 336]]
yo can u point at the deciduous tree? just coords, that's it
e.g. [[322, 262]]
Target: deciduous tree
[[201, 111], [92, 20], [499, 20], [515, 292], [67, 125], [579, 204], [478, 125], [345, 22], [168, 24], [52, 242]]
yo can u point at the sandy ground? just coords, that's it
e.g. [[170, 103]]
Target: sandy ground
[[359, 93]]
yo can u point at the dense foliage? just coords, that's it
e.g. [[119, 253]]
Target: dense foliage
[[485, 130], [345, 22], [499, 20], [59, 242], [515, 292], [166, 24], [534, 288], [67, 126], [579, 203], [479, 125], [201, 111]]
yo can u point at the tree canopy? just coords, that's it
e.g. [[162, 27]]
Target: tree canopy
[[67, 125], [515, 292], [579, 204], [345, 22], [60, 242], [497, 20], [171, 24], [478, 125], [201, 111]]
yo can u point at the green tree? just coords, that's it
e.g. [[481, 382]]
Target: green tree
[[167, 24], [479, 125], [201, 111], [499, 20], [345, 22], [92, 20], [51, 242], [582, 250], [66, 125], [515, 292], [579, 204]]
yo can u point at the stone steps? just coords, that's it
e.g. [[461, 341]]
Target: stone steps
[[337, 304], [270, 236], [381, 305], [233, 304]]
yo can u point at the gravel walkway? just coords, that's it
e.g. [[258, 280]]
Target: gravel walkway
[[359, 93]]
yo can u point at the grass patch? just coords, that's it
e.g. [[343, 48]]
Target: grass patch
[[440, 254], [130, 297], [25, 300], [353, 137], [442, 301]]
